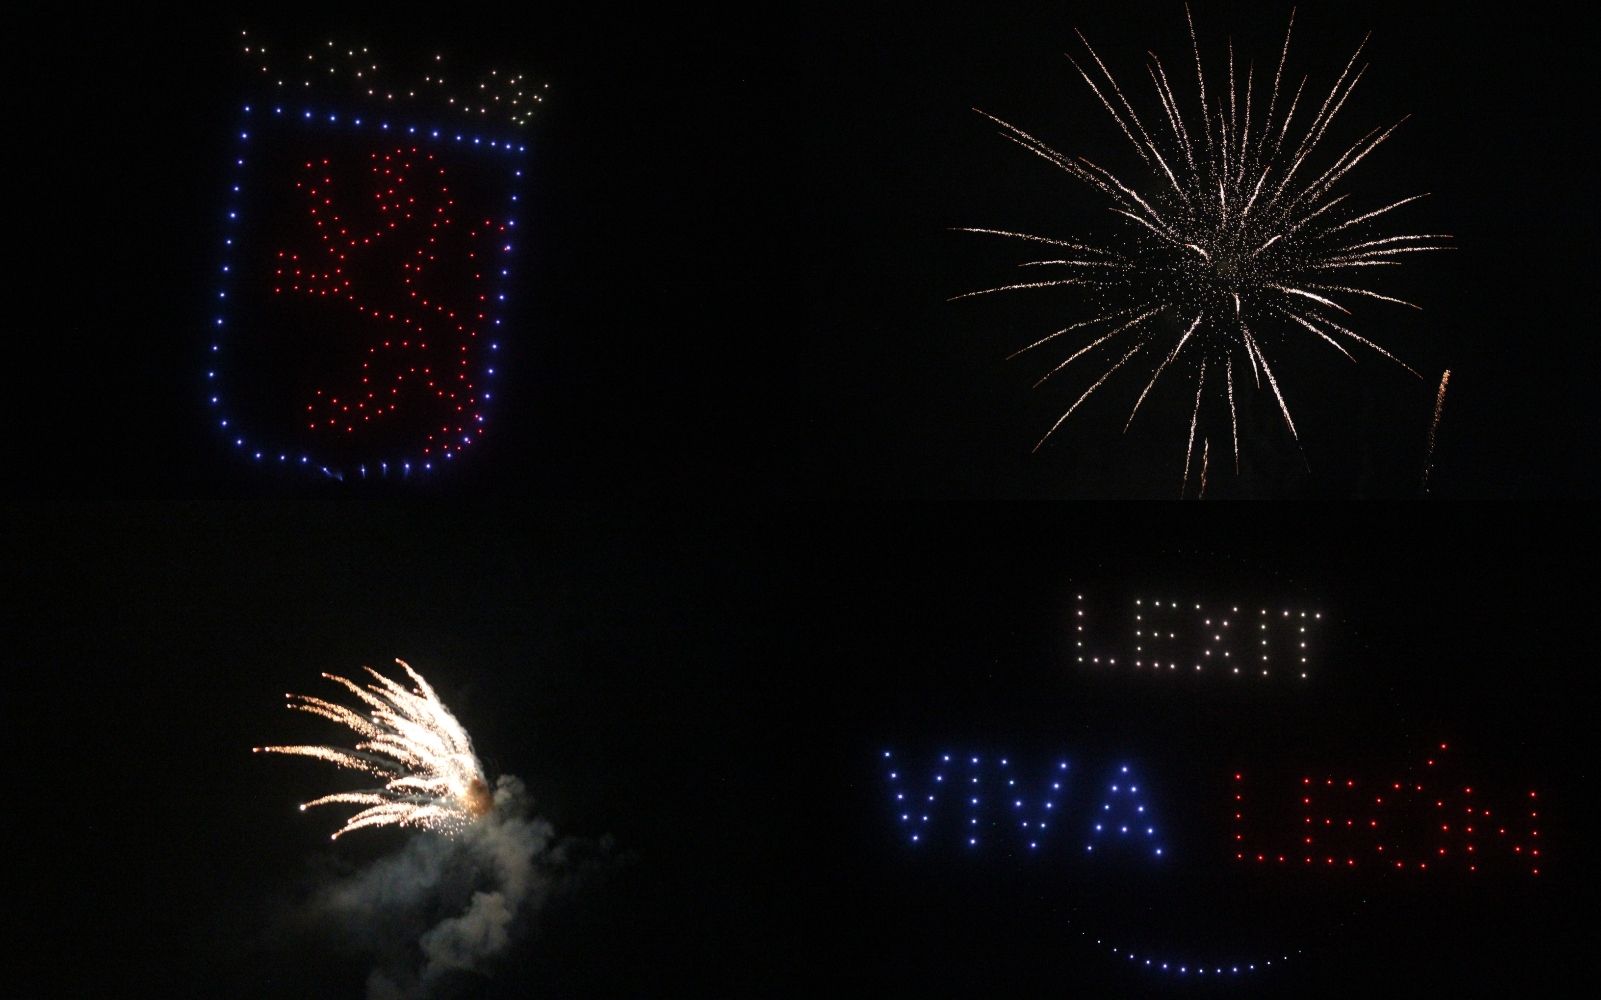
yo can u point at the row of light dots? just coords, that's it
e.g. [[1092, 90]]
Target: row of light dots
[[1138, 648], [1373, 824], [383, 126], [1156, 963], [365, 70]]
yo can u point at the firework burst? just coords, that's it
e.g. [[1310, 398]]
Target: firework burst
[[432, 778], [1239, 245]]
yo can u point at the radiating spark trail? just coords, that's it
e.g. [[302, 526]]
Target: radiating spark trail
[[1189, 447], [1013, 288], [1121, 362], [1069, 263], [1239, 224], [1267, 370], [1234, 423], [1136, 321], [1159, 369], [1036, 239], [1434, 427], [1337, 328], [1303, 321], [1365, 292], [433, 780], [1308, 295], [1066, 329]]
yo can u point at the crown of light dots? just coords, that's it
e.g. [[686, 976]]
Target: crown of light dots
[[1428, 821], [398, 342], [997, 809], [352, 73], [1225, 640]]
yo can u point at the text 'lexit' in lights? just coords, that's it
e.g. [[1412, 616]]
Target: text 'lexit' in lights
[[1158, 637]]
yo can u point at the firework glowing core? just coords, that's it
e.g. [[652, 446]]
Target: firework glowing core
[[432, 777], [478, 798]]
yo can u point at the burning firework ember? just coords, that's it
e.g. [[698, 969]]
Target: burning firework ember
[[432, 778], [1238, 246], [1434, 427]]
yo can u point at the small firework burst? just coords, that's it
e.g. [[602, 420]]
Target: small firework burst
[[1242, 244], [433, 780]]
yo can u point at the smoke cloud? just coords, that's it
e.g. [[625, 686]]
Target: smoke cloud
[[441, 911]]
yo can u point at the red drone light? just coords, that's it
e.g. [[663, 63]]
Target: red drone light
[[1352, 825], [399, 255]]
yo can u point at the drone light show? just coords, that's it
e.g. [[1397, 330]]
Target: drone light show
[[1171, 964], [1422, 819], [1222, 639], [1417, 820], [996, 807], [1124, 816], [363, 288], [1413, 822]]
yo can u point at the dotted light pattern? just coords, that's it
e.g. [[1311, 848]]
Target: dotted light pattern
[[405, 349], [1183, 967], [1423, 822], [1122, 818], [429, 341], [345, 72], [1227, 640], [1000, 807]]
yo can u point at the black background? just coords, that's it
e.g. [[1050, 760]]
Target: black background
[[716, 697], [738, 252], [658, 595]]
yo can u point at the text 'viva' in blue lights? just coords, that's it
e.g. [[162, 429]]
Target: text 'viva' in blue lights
[[983, 800]]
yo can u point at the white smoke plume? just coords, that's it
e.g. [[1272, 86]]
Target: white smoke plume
[[437, 914]]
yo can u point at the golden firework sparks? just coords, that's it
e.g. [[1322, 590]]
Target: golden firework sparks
[[1235, 244], [432, 778]]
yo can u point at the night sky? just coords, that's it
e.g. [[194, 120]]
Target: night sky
[[715, 698], [691, 585], [737, 254]]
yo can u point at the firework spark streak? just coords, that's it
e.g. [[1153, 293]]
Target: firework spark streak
[[432, 778], [1434, 427], [1227, 250]]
